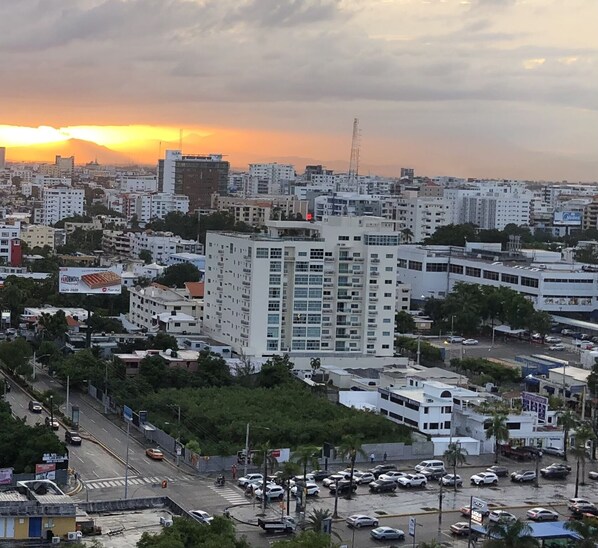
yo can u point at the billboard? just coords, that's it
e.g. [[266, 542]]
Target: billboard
[[534, 402], [89, 280], [45, 471], [5, 476], [567, 218]]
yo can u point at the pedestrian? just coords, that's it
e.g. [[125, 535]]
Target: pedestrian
[[385, 456], [234, 471], [372, 457]]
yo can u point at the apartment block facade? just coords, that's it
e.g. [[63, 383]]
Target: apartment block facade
[[60, 203], [315, 288]]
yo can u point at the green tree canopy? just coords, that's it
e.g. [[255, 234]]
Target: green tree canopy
[[177, 274], [404, 322]]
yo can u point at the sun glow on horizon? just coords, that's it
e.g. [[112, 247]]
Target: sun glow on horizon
[[116, 137]]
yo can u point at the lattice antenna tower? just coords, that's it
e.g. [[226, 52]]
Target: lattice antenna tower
[[354, 160]]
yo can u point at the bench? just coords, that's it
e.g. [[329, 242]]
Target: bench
[[116, 531]]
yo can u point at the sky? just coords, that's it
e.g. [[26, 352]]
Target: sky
[[479, 88]]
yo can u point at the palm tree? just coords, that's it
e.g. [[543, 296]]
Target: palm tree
[[289, 471], [350, 447], [499, 430], [455, 455], [315, 521], [568, 420], [263, 455], [583, 434], [510, 535], [586, 529], [406, 235], [307, 455]]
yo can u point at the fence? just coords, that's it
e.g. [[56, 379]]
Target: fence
[[61, 478]]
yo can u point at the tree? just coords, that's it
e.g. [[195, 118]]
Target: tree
[[568, 420], [189, 532], [497, 428], [306, 539], [540, 322], [53, 326], [586, 529], [583, 434], [15, 356], [317, 518], [177, 274], [455, 455], [264, 456], [350, 447], [162, 341], [276, 371], [80, 367], [306, 455], [455, 235], [315, 364], [510, 535], [146, 256], [406, 235], [153, 370], [404, 322]]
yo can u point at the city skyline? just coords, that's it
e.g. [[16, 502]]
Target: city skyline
[[486, 88]]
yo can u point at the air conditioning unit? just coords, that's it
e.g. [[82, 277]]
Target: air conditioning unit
[[165, 522], [55, 540], [72, 535]]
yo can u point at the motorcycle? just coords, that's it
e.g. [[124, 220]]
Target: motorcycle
[[219, 482]]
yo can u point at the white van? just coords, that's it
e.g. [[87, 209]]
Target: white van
[[432, 465]]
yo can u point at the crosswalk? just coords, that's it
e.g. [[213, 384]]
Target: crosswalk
[[119, 482], [232, 496]]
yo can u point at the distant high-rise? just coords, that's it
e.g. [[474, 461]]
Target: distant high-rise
[[2, 157], [197, 177], [407, 173]]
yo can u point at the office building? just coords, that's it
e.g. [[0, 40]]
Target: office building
[[39, 236], [195, 176], [304, 288]]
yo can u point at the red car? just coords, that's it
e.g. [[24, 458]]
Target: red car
[[154, 454]]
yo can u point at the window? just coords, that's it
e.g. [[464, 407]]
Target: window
[[276, 253], [301, 293], [300, 306], [436, 267], [313, 332], [473, 272], [273, 319], [314, 318], [343, 238], [302, 267], [301, 279], [275, 279], [415, 265], [315, 279], [272, 345], [314, 306], [315, 293], [509, 278], [529, 282], [275, 266], [402, 263], [388, 282], [389, 255], [387, 307], [387, 294], [313, 345], [491, 275], [299, 331], [272, 332], [273, 305], [274, 293], [316, 254], [456, 269], [261, 253], [357, 238]]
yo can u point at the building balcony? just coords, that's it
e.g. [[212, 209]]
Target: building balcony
[[246, 284], [358, 259], [244, 309], [375, 261]]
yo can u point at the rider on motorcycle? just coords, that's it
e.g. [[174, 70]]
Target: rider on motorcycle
[[220, 479]]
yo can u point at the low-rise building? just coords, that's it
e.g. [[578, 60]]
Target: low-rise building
[[39, 236], [174, 359]]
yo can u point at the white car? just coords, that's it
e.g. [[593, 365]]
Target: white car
[[249, 478], [501, 516], [412, 480], [332, 479], [453, 340], [572, 502], [201, 516], [361, 520], [552, 339], [363, 478], [299, 477], [557, 346], [484, 478], [312, 489], [542, 514], [272, 492], [393, 475], [470, 342]]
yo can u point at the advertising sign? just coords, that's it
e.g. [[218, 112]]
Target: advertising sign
[[412, 524], [89, 281], [5, 476], [127, 413], [477, 516], [45, 471], [534, 402], [54, 458], [567, 218]]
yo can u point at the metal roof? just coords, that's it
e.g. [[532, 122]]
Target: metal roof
[[575, 323]]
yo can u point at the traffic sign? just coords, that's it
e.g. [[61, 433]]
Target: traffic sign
[[412, 524], [127, 413]]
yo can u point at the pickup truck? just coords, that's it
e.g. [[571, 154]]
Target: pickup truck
[[284, 525]]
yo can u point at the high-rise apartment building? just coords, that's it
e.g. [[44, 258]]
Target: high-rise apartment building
[[2, 157], [304, 288], [192, 175], [59, 203]]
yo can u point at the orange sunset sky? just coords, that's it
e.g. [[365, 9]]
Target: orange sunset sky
[[481, 88]]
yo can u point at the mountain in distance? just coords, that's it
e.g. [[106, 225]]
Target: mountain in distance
[[83, 151]]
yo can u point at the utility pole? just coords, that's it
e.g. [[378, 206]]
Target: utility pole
[[265, 482], [440, 497], [106, 388], [177, 449], [51, 412], [68, 386], [419, 339], [246, 450], [127, 462], [335, 514]]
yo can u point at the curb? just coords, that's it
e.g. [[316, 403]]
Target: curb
[[76, 490]]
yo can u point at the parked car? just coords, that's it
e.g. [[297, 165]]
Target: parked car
[[432, 474], [35, 407], [53, 423], [555, 471], [577, 500], [308, 477], [552, 339], [363, 478], [466, 510], [319, 475], [273, 492], [381, 469], [331, 480], [557, 346], [555, 451], [470, 342], [542, 514], [361, 520], [201, 516], [593, 475], [383, 486], [484, 478], [429, 465], [580, 509], [154, 454], [500, 471], [450, 480], [522, 476], [501, 516], [460, 529], [387, 533], [312, 489], [244, 480], [412, 480], [567, 332], [535, 451], [344, 487], [72, 437], [454, 339], [391, 475]]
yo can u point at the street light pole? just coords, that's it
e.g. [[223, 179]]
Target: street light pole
[[68, 386], [51, 411], [105, 388], [127, 462], [418, 348], [246, 450]]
